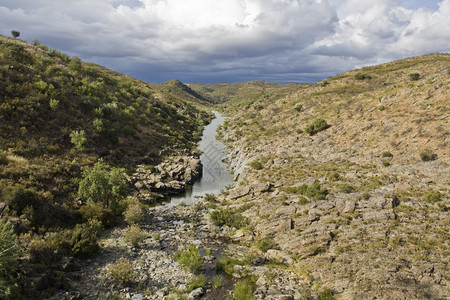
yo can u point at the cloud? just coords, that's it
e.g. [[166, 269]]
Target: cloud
[[203, 40]]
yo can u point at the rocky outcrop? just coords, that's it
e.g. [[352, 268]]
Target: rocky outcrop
[[169, 177]]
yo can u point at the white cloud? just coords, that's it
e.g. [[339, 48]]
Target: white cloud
[[268, 39]]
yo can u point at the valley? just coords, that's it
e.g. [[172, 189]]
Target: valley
[[340, 190]]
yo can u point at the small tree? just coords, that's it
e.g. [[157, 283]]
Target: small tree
[[78, 138], [9, 263], [102, 184], [15, 33]]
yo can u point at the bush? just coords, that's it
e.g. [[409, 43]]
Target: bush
[[96, 211], [428, 155], [387, 154], [298, 106], [80, 241], [3, 159], [243, 290], [189, 258], [18, 198], [347, 188], [78, 139], [121, 271], [313, 191], [134, 235], [196, 282], [102, 184], [229, 217], [266, 243], [316, 126], [134, 213], [362, 76], [227, 264], [9, 263], [256, 165], [217, 281], [432, 197], [415, 75]]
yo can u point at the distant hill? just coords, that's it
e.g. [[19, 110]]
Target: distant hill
[[239, 91]]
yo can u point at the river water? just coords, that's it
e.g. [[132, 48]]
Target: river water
[[215, 175]]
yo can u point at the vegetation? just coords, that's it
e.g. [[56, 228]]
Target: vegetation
[[243, 290], [316, 126], [415, 75], [427, 155], [362, 76], [121, 271], [313, 191], [189, 258], [134, 235], [228, 217], [9, 263], [266, 243]]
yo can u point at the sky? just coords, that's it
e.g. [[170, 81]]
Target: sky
[[234, 40]]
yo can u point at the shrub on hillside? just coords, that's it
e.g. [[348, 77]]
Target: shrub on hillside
[[96, 211], [243, 290], [229, 217], [102, 184], [121, 271], [266, 243], [316, 126], [134, 235], [432, 197], [134, 213], [78, 139], [9, 263], [298, 106], [313, 191], [3, 159], [80, 241], [415, 75], [18, 198], [362, 76], [428, 155], [256, 165]]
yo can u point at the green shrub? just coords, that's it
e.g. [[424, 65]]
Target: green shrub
[[189, 258], [243, 290], [415, 75], [386, 163], [210, 198], [229, 217], [19, 197], [54, 105], [362, 76], [96, 211], [134, 235], [428, 155], [387, 154], [196, 282], [134, 213], [227, 264], [324, 82], [121, 271], [432, 197], [80, 241], [326, 294], [102, 184], [266, 243], [302, 201], [9, 263], [3, 159], [217, 281], [316, 126], [298, 106], [256, 165], [346, 188], [313, 191], [78, 139]]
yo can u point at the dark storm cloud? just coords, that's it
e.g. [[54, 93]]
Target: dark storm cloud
[[212, 41]]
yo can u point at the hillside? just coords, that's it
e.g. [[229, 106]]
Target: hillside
[[348, 179], [62, 120]]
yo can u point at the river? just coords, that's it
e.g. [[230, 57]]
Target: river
[[215, 175]]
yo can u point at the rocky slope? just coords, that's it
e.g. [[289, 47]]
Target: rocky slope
[[358, 207]]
